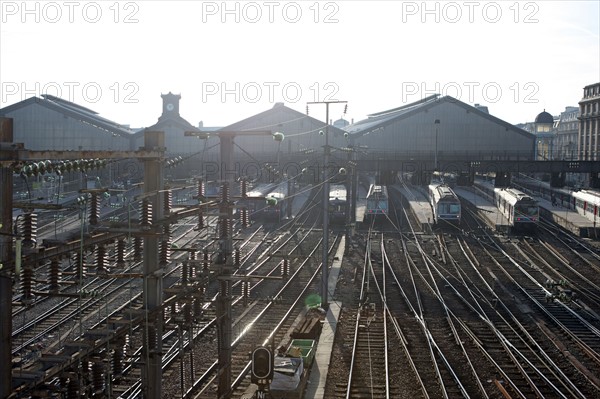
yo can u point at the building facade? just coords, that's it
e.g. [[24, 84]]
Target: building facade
[[442, 127], [589, 123], [567, 132]]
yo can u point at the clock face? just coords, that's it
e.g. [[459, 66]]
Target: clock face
[[170, 107]]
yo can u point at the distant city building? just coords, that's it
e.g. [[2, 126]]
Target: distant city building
[[566, 134], [544, 128], [589, 126], [341, 123]]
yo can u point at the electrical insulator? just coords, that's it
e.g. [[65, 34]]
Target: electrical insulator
[[285, 267], [225, 192], [187, 313], [225, 228], [307, 110], [237, 257], [246, 289], [224, 289], [168, 201], [165, 246], [185, 270], [138, 245], [345, 109], [80, 266], [29, 229], [205, 260], [73, 388], [117, 360], [192, 266], [26, 282], [121, 252], [200, 188], [54, 275], [243, 188], [200, 218], [94, 209], [198, 305], [245, 218], [101, 259], [98, 377], [151, 337], [146, 213]]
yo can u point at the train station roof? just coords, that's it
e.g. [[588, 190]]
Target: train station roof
[[72, 110], [280, 118], [380, 120]]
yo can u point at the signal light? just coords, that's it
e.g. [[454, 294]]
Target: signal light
[[262, 365]]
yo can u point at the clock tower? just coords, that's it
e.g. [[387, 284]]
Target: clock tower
[[170, 104]]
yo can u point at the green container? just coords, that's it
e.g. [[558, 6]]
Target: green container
[[307, 349]]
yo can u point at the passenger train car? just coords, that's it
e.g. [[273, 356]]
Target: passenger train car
[[445, 203], [277, 203], [255, 200], [377, 201], [337, 203], [587, 203], [521, 210]]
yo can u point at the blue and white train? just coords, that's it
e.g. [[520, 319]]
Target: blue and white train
[[377, 201], [445, 203]]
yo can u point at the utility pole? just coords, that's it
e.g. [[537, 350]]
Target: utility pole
[[6, 194], [436, 123], [153, 272], [224, 264], [325, 266]]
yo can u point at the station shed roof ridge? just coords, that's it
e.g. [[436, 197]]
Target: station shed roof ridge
[[382, 119], [72, 110], [285, 115]]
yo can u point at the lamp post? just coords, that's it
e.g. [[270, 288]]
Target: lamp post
[[436, 123]]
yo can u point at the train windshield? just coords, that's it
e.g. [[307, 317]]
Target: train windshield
[[527, 210], [449, 208]]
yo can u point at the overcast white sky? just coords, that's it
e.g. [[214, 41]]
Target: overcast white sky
[[231, 60]]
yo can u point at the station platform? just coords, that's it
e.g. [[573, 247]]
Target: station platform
[[419, 205], [315, 388], [485, 208], [569, 219]]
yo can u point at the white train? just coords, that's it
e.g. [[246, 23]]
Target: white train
[[338, 197], [587, 203], [277, 203], [521, 210], [255, 200], [377, 201], [445, 203]]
